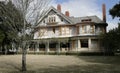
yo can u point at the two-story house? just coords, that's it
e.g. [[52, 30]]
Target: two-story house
[[58, 32]]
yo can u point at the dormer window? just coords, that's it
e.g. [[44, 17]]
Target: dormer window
[[86, 20], [52, 19]]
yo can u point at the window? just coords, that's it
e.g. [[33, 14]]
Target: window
[[84, 43], [42, 32], [77, 30], [65, 30], [92, 29], [86, 20], [99, 29], [84, 28], [51, 19]]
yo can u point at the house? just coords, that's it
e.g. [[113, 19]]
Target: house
[[58, 32]]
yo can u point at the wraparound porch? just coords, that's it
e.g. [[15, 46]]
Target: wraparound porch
[[86, 44]]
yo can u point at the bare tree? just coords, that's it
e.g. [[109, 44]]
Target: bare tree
[[32, 11]]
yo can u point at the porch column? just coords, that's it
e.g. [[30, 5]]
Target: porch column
[[37, 47], [70, 46], [79, 44], [76, 45], [47, 47], [58, 48], [89, 44]]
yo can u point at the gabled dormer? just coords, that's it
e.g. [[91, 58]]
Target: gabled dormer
[[55, 17]]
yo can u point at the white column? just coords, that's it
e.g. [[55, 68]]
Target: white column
[[58, 47], [70, 46], [76, 45], [37, 46], [89, 44], [79, 44], [37, 50], [47, 47]]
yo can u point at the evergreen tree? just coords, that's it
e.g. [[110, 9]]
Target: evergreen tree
[[11, 23]]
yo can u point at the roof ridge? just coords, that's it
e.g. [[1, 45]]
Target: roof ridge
[[83, 16]]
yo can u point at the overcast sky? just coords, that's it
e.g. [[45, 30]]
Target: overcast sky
[[78, 8]]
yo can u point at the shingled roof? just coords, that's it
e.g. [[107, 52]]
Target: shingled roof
[[72, 20], [93, 19]]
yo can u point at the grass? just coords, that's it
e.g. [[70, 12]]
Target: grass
[[61, 64]]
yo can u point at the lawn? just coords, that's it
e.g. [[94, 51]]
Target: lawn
[[61, 64]]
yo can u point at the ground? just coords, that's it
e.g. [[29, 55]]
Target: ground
[[61, 64]]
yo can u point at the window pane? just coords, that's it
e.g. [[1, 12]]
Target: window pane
[[84, 43]]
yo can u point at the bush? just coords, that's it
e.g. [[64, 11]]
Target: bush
[[74, 53]]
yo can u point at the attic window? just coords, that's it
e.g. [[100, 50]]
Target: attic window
[[52, 19], [86, 20]]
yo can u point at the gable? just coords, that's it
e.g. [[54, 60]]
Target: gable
[[54, 17]]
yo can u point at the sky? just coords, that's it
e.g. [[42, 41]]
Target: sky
[[79, 8]]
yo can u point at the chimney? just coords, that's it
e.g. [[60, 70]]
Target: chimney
[[59, 7], [67, 13], [104, 12]]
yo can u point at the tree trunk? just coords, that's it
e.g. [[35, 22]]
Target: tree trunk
[[5, 49], [24, 58]]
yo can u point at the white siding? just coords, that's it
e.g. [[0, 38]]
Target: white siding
[[36, 35], [70, 30]]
